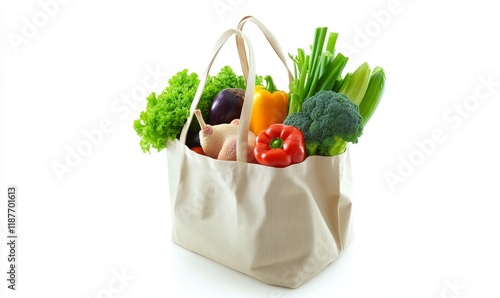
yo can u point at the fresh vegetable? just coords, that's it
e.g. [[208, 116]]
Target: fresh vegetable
[[328, 120], [322, 70], [280, 146], [317, 71], [270, 106], [355, 84], [166, 113], [193, 139], [198, 150], [219, 141], [226, 106], [373, 94]]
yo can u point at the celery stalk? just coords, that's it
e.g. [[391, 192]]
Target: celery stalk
[[313, 71], [332, 40], [356, 84], [340, 82], [315, 61], [332, 72], [373, 94]]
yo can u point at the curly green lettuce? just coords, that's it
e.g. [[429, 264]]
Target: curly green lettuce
[[167, 112]]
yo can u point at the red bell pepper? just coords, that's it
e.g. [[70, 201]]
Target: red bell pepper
[[280, 146]]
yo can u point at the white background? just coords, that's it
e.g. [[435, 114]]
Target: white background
[[434, 233]]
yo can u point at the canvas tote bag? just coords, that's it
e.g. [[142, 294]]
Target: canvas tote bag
[[279, 225]]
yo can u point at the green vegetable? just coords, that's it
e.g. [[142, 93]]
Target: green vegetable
[[328, 120], [354, 86], [317, 71], [373, 94], [166, 113]]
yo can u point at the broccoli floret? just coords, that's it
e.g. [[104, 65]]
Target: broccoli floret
[[329, 121]]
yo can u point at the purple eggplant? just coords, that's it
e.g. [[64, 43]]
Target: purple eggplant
[[226, 106], [193, 139]]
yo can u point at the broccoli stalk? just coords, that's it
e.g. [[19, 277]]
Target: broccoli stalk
[[329, 121]]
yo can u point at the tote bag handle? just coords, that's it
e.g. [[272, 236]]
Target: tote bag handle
[[273, 41], [242, 137]]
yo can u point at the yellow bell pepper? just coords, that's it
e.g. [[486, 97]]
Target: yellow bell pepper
[[270, 106]]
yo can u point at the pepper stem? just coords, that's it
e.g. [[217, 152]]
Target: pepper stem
[[276, 143], [270, 84]]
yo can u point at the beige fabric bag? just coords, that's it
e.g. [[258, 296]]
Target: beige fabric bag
[[279, 225]]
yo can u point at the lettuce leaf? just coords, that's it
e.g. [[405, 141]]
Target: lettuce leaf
[[167, 112]]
